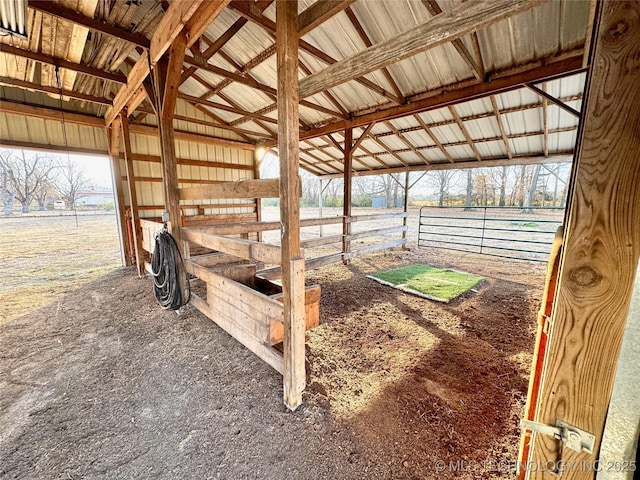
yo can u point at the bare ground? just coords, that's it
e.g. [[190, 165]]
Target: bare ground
[[105, 384]]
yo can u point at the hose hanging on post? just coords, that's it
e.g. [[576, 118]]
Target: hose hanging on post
[[170, 283]]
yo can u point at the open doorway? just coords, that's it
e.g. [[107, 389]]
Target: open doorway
[[59, 226]]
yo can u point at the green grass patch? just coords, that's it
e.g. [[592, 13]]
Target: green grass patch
[[439, 284]]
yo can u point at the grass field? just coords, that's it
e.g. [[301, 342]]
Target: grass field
[[438, 283], [43, 258]]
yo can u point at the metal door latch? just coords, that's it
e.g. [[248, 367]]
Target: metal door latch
[[570, 436]]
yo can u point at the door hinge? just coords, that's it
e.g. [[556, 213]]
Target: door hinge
[[570, 436]]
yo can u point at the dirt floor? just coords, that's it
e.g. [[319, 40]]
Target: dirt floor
[[104, 384]]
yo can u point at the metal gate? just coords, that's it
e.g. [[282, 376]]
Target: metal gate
[[506, 232]]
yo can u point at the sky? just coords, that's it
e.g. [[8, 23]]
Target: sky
[[96, 168]]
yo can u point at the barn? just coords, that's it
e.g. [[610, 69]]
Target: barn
[[188, 97]]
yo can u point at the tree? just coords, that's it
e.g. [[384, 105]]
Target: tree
[[26, 174], [8, 193], [531, 194], [502, 176], [41, 195], [469, 194], [69, 181], [442, 180]]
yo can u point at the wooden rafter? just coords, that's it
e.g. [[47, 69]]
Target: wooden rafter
[[328, 95], [465, 163], [229, 124], [477, 116], [14, 82], [465, 133], [248, 80], [434, 9], [59, 11], [189, 17], [317, 148], [243, 9], [388, 150], [498, 138], [433, 137], [320, 12], [375, 156], [406, 141], [554, 100], [216, 46], [62, 63], [436, 31], [497, 85], [503, 132], [226, 108], [367, 41]]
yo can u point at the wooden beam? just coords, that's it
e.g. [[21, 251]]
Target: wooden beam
[[554, 100], [138, 157], [292, 257], [265, 188], [226, 108], [451, 96], [45, 147], [368, 43], [463, 164], [346, 200], [465, 133], [186, 136], [503, 132], [237, 247], [438, 30], [601, 247], [165, 74], [545, 124], [113, 137], [406, 141], [435, 139], [176, 19], [172, 79], [320, 12], [249, 81], [14, 82], [62, 63], [243, 9], [434, 9], [133, 196], [59, 11], [46, 113]]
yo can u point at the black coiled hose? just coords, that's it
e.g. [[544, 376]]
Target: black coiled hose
[[170, 282]]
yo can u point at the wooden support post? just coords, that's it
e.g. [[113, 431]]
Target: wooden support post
[[113, 137], [346, 207], [292, 257], [405, 204], [601, 247], [133, 197], [258, 157], [320, 205], [167, 78]]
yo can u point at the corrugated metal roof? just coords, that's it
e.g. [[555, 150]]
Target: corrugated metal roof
[[554, 28]]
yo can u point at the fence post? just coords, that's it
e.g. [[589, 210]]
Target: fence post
[[484, 221]]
